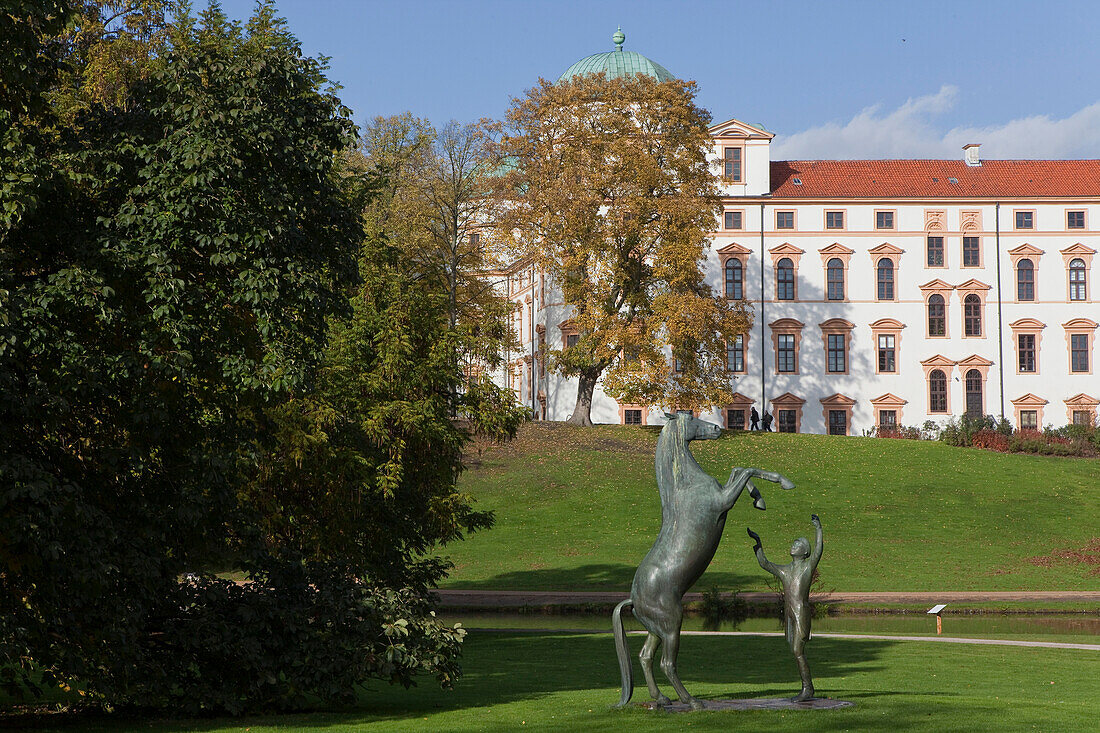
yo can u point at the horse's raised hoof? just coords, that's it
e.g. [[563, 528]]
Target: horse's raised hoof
[[759, 503]]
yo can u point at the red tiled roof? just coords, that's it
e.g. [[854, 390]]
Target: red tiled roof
[[932, 178]]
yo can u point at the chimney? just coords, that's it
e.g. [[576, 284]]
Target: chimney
[[970, 154]]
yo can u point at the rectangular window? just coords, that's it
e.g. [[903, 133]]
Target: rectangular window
[[935, 251], [571, 340], [784, 220], [887, 419], [735, 354], [1075, 220], [1025, 220], [886, 361], [1078, 352], [834, 219], [1029, 419], [972, 254], [785, 358], [785, 419], [837, 357], [1026, 349], [735, 419], [475, 240], [1082, 417], [632, 417], [884, 220], [731, 159], [838, 422], [732, 220], [678, 366]]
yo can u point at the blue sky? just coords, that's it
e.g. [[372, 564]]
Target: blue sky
[[835, 79]]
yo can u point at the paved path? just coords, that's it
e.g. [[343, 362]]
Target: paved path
[[888, 637], [521, 598]]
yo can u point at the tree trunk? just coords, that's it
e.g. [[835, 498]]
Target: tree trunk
[[586, 384]]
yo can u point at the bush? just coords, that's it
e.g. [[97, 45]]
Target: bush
[[990, 440], [898, 432], [717, 608]]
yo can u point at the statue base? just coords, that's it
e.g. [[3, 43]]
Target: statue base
[[758, 703]]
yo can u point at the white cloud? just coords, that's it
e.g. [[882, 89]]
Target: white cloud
[[910, 131]]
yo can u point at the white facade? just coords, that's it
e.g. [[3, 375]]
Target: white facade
[[799, 216]]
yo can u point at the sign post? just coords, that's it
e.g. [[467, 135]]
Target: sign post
[[939, 619]]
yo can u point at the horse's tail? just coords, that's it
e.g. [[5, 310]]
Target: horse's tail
[[625, 667]]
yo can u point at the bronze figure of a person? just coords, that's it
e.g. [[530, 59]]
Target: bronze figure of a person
[[795, 578]]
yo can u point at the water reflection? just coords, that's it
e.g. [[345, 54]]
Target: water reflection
[[1075, 628]]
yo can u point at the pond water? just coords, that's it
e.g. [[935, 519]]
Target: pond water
[[1073, 628]]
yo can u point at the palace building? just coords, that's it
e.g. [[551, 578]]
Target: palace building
[[884, 292]]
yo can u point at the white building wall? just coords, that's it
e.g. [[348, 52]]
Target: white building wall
[[761, 383]]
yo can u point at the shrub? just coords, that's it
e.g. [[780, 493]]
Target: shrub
[[990, 440]]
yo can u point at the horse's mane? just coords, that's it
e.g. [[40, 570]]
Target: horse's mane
[[670, 471]]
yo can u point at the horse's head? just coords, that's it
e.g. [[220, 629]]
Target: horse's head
[[689, 428]]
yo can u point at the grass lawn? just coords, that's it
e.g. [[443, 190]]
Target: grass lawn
[[566, 682], [578, 509]]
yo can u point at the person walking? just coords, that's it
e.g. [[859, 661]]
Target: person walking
[[754, 420]]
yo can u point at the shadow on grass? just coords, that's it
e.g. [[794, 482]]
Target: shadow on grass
[[505, 667], [594, 577]]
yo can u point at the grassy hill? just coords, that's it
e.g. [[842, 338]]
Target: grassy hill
[[578, 509]]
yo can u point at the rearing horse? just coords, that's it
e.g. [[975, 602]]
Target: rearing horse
[[693, 515]]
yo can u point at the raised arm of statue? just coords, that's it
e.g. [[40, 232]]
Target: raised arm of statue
[[765, 563], [818, 544]]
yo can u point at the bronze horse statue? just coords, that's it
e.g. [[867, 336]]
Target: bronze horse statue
[[693, 515]]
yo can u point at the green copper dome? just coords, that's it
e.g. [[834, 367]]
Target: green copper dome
[[617, 63]]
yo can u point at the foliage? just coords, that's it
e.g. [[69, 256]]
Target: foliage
[[717, 608], [990, 440], [961, 432], [169, 267], [364, 468], [998, 435], [608, 187], [112, 45], [903, 432], [434, 206]]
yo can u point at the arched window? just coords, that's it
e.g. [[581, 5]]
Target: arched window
[[835, 278], [974, 403], [885, 279], [937, 391], [734, 279], [937, 316], [784, 273], [1025, 280], [972, 315], [1077, 281]]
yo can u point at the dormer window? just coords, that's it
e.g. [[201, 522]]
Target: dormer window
[[731, 164]]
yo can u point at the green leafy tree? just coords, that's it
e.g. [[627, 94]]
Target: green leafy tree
[[611, 194], [169, 265], [435, 206], [111, 45]]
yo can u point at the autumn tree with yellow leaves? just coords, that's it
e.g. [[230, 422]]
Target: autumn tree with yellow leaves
[[608, 190]]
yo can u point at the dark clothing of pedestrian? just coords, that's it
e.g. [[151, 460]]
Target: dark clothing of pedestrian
[[754, 418], [767, 422]]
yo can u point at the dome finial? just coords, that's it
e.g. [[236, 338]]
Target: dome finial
[[618, 37]]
